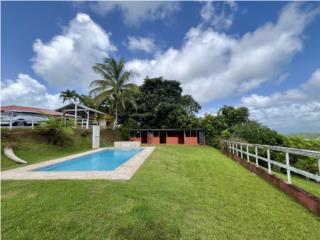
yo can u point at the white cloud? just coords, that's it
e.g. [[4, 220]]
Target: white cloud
[[67, 59], [134, 13], [27, 91], [295, 110], [213, 65], [141, 44], [314, 81], [219, 15]]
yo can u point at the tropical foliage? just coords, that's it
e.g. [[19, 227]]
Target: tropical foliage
[[69, 95], [55, 131], [160, 104], [220, 125], [114, 85]]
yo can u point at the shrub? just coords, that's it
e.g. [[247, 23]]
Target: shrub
[[55, 131], [254, 132], [124, 132]]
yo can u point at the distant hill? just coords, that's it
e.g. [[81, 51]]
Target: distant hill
[[305, 135]]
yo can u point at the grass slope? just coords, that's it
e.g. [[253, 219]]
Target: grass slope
[[181, 192]]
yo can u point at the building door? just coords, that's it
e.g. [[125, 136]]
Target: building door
[[202, 137], [163, 136]]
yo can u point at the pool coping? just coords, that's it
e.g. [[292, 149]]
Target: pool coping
[[124, 172]]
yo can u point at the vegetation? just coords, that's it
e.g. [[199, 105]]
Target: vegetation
[[56, 131], [307, 136], [161, 104], [31, 146], [202, 195], [254, 132], [220, 126], [68, 95], [113, 86]]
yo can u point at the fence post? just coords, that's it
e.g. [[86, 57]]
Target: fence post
[[233, 148], [319, 169], [288, 168], [248, 157], [237, 153], [269, 163], [241, 150], [256, 151]]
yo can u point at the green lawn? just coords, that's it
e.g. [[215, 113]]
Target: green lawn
[[180, 192]]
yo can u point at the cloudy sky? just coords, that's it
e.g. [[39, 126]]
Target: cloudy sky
[[265, 56]]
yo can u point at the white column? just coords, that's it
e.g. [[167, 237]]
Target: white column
[[75, 114], [288, 168], [81, 122], [256, 151], [32, 122], [269, 163], [87, 124], [248, 157], [11, 116], [95, 136], [241, 150]]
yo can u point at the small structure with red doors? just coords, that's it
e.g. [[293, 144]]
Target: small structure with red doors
[[192, 136]]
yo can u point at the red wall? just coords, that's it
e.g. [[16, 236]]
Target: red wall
[[172, 140], [154, 140], [191, 140]]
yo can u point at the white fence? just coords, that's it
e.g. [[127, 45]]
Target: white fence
[[241, 149]]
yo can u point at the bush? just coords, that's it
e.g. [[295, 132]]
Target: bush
[[124, 132], [306, 163], [254, 132], [55, 131]]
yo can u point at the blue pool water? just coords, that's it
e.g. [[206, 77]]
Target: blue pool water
[[104, 160]]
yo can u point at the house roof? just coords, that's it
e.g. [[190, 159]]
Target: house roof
[[14, 108], [71, 108]]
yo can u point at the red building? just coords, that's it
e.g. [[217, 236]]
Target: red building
[[192, 136]]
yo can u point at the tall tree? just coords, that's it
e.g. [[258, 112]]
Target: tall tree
[[162, 105], [113, 86], [68, 95]]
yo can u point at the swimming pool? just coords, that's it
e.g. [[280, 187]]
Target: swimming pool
[[105, 160]]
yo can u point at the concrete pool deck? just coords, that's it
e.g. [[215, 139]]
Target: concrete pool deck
[[123, 172]]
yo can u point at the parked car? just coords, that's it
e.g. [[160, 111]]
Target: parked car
[[20, 119]]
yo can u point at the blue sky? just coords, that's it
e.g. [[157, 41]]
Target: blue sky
[[262, 55]]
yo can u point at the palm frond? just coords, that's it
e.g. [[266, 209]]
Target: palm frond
[[103, 96]]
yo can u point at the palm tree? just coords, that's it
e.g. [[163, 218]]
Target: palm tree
[[113, 86], [68, 95]]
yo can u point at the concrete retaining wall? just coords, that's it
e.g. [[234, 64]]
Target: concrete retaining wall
[[127, 144]]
